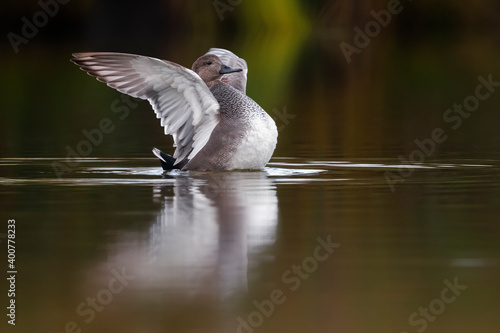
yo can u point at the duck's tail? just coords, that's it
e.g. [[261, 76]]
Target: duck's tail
[[167, 161]]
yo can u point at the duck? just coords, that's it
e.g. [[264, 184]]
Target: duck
[[215, 126]]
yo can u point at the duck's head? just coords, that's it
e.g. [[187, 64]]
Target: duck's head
[[210, 69]]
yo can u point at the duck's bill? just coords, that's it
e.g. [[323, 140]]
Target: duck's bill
[[226, 69]]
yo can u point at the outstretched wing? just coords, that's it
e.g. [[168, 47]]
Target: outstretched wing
[[179, 97], [237, 80]]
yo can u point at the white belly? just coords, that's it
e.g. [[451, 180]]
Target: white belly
[[257, 147]]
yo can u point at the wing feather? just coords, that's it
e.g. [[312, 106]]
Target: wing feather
[[181, 100]]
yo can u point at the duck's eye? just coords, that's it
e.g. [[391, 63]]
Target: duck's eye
[[208, 63]]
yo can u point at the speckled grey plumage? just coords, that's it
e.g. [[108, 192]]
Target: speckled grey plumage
[[236, 112]]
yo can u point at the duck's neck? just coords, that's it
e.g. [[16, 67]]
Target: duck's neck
[[212, 83]]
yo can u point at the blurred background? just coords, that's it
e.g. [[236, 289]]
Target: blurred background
[[394, 91], [203, 248]]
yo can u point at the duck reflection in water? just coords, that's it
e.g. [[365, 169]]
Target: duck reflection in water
[[210, 233], [210, 230]]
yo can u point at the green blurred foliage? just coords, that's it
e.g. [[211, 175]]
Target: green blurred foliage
[[393, 92]]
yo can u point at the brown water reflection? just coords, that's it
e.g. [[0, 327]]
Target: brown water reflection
[[207, 252]]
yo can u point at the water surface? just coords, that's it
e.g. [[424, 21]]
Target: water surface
[[209, 252]]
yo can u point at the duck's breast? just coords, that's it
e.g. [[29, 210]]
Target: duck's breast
[[257, 144]]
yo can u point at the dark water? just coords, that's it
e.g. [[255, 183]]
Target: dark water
[[303, 245]]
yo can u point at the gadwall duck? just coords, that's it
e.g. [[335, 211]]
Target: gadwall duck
[[215, 125]]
